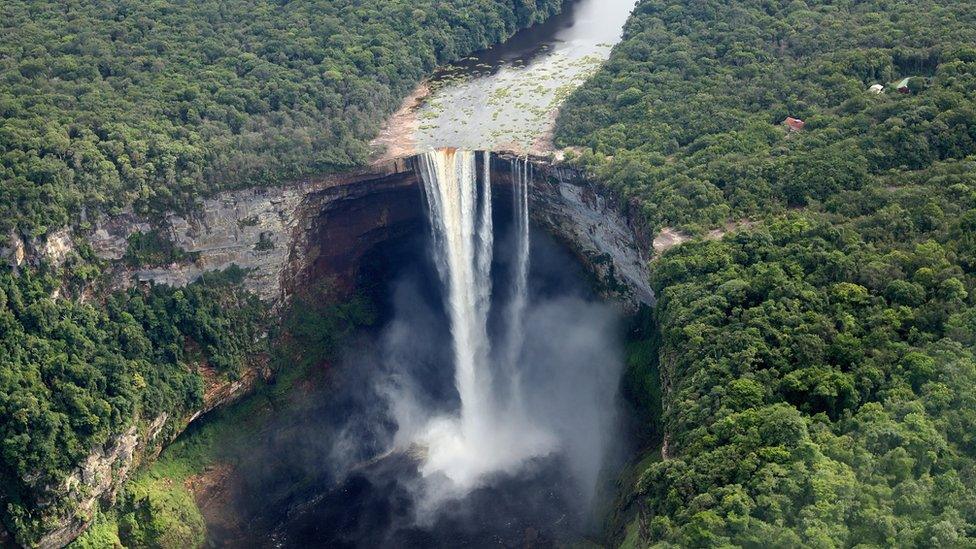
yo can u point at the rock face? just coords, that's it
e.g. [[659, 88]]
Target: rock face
[[339, 225], [285, 236], [260, 230], [249, 228], [54, 248], [13, 252], [595, 224]]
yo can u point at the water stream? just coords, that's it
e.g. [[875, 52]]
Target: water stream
[[506, 97], [492, 415]]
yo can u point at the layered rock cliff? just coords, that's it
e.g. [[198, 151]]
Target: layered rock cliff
[[316, 228], [601, 229], [265, 231]]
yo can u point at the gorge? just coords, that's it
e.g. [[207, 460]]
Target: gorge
[[349, 233], [450, 430], [380, 443]]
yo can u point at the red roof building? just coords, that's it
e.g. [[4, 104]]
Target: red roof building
[[794, 124]]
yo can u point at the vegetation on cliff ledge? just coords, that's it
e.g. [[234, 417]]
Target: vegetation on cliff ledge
[[157, 507]]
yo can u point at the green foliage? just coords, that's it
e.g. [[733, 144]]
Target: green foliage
[[156, 104], [264, 243], [72, 375], [152, 249], [102, 534], [641, 385], [686, 116], [103, 104], [819, 369], [313, 329], [160, 513]]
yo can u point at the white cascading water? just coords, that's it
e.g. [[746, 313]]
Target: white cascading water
[[485, 237], [464, 261], [521, 176], [491, 432]]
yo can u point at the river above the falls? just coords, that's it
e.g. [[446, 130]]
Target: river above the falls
[[507, 97]]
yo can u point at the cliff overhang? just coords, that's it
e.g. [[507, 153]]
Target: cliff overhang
[[285, 236]]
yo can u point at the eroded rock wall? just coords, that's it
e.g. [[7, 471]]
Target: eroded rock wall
[[596, 224], [54, 248], [263, 231], [340, 224]]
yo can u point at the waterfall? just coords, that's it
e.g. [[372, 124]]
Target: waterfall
[[486, 234], [463, 247], [491, 431], [521, 176]]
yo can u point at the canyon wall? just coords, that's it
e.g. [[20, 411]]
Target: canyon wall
[[286, 235], [598, 226]]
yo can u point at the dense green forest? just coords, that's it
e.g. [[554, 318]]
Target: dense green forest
[[106, 103], [156, 104], [690, 105], [818, 369], [73, 374]]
